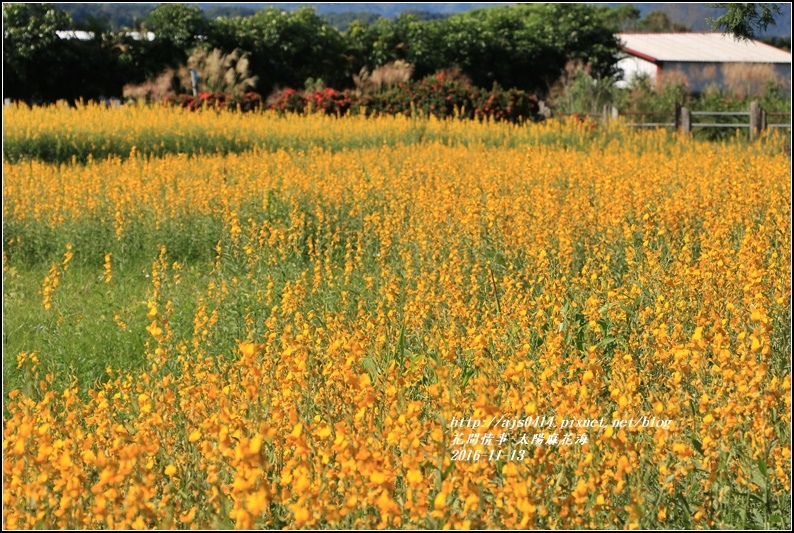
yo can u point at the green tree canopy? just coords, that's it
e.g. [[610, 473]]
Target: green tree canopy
[[177, 23], [744, 20], [30, 48], [30, 29], [39, 66], [285, 48], [658, 21]]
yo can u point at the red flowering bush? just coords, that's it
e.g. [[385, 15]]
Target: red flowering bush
[[442, 96], [439, 95], [286, 100], [330, 101], [249, 101]]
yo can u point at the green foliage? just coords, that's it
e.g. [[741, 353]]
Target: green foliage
[[522, 46], [659, 21], [39, 66], [582, 93], [284, 48], [30, 44], [744, 20], [342, 21], [178, 24], [628, 18], [30, 29], [519, 46], [643, 96], [526, 46], [313, 85], [621, 18]]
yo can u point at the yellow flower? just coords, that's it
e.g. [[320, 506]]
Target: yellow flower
[[440, 501], [301, 515], [155, 330], [256, 502], [414, 476]]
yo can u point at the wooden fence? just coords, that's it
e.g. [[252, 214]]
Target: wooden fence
[[685, 119]]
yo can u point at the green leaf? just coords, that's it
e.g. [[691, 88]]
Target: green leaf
[[684, 504], [371, 367], [697, 445], [759, 479], [400, 352], [604, 307], [606, 342], [762, 467]]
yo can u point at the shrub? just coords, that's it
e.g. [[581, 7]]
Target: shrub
[[439, 95], [249, 101]]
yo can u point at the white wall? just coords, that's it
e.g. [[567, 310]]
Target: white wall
[[634, 66]]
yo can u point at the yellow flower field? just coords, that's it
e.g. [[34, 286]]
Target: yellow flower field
[[308, 360]]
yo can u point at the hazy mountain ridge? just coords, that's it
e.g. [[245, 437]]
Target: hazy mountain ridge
[[692, 15], [695, 16]]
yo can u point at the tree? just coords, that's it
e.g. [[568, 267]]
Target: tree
[[573, 32], [744, 20], [621, 18], [285, 48], [424, 42], [176, 28], [177, 23], [40, 66], [659, 22], [30, 46], [29, 30]]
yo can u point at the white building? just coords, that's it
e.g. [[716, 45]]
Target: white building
[[702, 59], [88, 35]]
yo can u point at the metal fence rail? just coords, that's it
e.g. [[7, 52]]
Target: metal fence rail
[[716, 125], [722, 113], [653, 125], [683, 119]]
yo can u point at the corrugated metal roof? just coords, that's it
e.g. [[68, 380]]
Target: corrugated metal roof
[[700, 47]]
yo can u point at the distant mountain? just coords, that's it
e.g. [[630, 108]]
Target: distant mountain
[[115, 15], [384, 10], [695, 15], [692, 15], [339, 15]]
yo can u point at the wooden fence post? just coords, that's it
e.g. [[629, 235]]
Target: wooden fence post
[[194, 81], [755, 119], [609, 113], [685, 121]]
